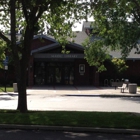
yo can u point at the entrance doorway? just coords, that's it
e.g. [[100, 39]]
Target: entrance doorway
[[61, 73]]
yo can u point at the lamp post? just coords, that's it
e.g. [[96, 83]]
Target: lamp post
[[5, 69]]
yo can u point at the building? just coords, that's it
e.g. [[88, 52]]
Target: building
[[49, 66]]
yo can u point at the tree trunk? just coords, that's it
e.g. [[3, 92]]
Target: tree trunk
[[21, 54], [22, 96], [19, 68], [21, 77]]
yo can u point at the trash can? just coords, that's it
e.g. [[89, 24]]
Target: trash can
[[132, 87], [15, 87]]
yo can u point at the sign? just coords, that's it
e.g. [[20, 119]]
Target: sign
[[63, 56], [57, 55], [81, 69]]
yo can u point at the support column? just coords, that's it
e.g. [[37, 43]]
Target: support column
[[96, 79]]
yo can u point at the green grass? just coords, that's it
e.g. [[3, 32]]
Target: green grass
[[71, 118], [8, 89]]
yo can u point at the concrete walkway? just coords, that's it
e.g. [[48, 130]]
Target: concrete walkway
[[83, 90], [74, 98]]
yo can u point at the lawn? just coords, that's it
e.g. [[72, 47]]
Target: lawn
[[8, 89], [72, 118]]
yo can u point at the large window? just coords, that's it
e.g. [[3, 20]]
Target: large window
[[39, 74], [54, 73]]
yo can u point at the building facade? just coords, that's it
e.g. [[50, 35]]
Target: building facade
[[48, 66]]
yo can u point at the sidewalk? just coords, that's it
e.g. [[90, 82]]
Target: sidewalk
[[74, 98], [84, 90]]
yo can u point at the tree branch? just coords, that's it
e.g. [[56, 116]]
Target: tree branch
[[6, 39], [137, 4], [24, 8]]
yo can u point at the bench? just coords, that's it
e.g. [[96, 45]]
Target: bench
[[116, 84], [124, 86]]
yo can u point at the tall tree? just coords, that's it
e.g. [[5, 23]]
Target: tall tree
[[117, 24], [31, 18]]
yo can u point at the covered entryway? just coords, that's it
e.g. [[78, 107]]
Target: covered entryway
[[54, 73], [49, 66]]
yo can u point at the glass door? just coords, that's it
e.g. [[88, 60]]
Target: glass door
[[50, 75], [39, 75], [68, 75], [58, 75]]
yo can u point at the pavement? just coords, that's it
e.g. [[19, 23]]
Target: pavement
[[80, 91], [84, 90]]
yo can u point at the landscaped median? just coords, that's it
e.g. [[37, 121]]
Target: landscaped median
[[72, 118]]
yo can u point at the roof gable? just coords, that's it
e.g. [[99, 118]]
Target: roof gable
[[37, 47]]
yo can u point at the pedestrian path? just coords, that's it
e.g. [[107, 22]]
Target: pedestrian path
[[82, 90], [75, 99]]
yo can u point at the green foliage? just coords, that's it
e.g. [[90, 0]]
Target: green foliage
[[117, 22], [8, 89], [96, 53], [41, 17], [44, 17], [60, 25], [2, 54], [64, 51], [119, 64], [116, 27]]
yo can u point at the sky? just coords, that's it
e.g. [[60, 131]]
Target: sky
[[78, 26]]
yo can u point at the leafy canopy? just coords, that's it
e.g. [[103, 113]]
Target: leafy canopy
[[119, 64], [94, 54], [50, 17], [117, 23]]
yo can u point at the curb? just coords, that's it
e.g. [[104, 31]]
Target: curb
[[103, 95], [107, 95], [92, 95], [68, 128]]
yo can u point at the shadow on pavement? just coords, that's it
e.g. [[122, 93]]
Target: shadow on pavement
[[67, 87]]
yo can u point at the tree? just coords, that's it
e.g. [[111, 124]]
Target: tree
[[117, 24], [31, 18], [95, 53], [119, 64], [2, 54]]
